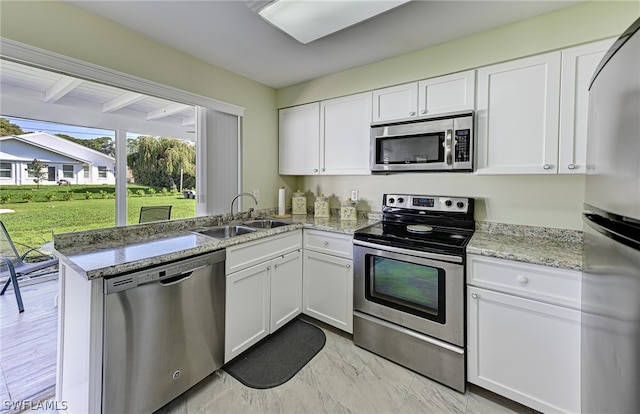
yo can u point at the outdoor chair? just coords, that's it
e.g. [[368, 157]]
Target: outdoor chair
[[14, 265], [154, 213]]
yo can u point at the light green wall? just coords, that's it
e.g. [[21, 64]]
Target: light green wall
[[67, 30], [551, 201]]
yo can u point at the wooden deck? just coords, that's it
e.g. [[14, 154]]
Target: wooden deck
[[28, 343]]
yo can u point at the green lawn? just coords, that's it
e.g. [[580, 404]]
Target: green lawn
[[34, 221]]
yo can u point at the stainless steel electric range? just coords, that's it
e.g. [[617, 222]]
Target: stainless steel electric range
[[409, 300]]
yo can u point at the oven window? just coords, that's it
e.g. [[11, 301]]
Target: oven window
[[412, 149], [406, 286]]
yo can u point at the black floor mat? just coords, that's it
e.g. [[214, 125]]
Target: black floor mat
[[277, 358]]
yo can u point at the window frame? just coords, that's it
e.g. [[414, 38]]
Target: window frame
[[5, 169], [65, 171]]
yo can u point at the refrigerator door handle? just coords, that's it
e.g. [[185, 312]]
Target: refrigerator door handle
[[624, 233]]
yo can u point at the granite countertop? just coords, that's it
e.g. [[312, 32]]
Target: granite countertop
[[537, 245], [109, 252]]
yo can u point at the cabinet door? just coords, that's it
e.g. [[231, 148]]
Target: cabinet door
[[525, 350], [345, 124], [517, 116], [247, 309], [578, 66], [286, 289], [328, 289], [300, 139], [449, 93], [396, 102]]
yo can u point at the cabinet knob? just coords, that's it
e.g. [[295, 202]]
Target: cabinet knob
[[523, 280], [315, 170], [424, 111], [412, 114], [326, 243], [474, 296], [348, 266], [275, 266], [571, 166], [324, 169], [547, 166], [268, 267]]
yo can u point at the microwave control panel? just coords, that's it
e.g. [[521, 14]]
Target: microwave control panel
[[463, 145]]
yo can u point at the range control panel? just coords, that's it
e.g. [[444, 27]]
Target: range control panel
[[426, 203]]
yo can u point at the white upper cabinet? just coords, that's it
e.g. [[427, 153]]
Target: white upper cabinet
[[450, 93], [344, 135], [299, 148], [396, 102], [578, 66], [328, 137], [517, 116]]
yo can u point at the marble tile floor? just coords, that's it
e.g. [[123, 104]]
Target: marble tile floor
[[341, 378]]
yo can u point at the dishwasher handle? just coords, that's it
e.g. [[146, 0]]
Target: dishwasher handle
[[166, 275]]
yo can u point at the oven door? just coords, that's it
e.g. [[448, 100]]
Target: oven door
[[420, 291]]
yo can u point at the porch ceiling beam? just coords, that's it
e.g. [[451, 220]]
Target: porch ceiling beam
[[166, 111], [121, 101], [189, 121], [59, 89]]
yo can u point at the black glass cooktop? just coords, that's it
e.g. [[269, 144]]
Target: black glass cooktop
[[416, 236]]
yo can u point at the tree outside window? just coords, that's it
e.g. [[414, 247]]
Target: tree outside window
[[37, 171]]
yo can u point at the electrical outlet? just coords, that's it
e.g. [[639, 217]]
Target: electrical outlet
[[354, 195], [256, 194]]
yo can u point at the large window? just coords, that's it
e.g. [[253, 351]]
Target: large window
[[6, 169], [67, 171]]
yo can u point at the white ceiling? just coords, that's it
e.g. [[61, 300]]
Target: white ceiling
[[228, 34]]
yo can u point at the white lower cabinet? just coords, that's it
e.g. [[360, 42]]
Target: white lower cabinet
[[328, 278], [262, 297], [525, 349]]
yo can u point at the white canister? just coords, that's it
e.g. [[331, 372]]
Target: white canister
[[298, 203], [348, 210], [321, 206]]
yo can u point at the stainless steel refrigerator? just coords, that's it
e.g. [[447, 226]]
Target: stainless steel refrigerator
[[610, 351]]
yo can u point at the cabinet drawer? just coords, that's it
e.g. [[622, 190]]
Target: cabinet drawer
[[544, 283], [248, 254], [335, 244]]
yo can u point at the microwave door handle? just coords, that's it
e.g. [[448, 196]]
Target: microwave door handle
[[447, 146]]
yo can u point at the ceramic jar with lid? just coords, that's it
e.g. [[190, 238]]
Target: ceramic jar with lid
[[299, 203], [321, 206], [348, 210]]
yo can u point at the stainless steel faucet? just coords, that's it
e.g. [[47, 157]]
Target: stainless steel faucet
[[240, 195]]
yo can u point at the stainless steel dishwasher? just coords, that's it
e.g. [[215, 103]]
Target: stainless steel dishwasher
[[163, 332]]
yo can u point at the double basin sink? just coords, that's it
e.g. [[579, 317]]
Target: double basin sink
[[232, 230]]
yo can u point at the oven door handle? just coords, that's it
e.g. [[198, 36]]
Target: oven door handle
[[418, 253]]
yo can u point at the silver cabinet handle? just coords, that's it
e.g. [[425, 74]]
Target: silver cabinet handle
[[275, 266], [324, 169], [523, 280], [547, 166], [268, 267], [412, 114], [474, 296], [424, 111], [571, 166], [315, 170], [348, 266]]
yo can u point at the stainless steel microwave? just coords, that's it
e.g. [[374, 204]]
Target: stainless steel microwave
[[443, 143]]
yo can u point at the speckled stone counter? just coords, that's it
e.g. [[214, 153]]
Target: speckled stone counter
[[538, 245], [108, 252]]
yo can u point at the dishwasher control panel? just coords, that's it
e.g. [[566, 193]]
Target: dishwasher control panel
[[161, 272]]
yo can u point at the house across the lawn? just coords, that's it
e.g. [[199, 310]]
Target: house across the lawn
[[67, 162]]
